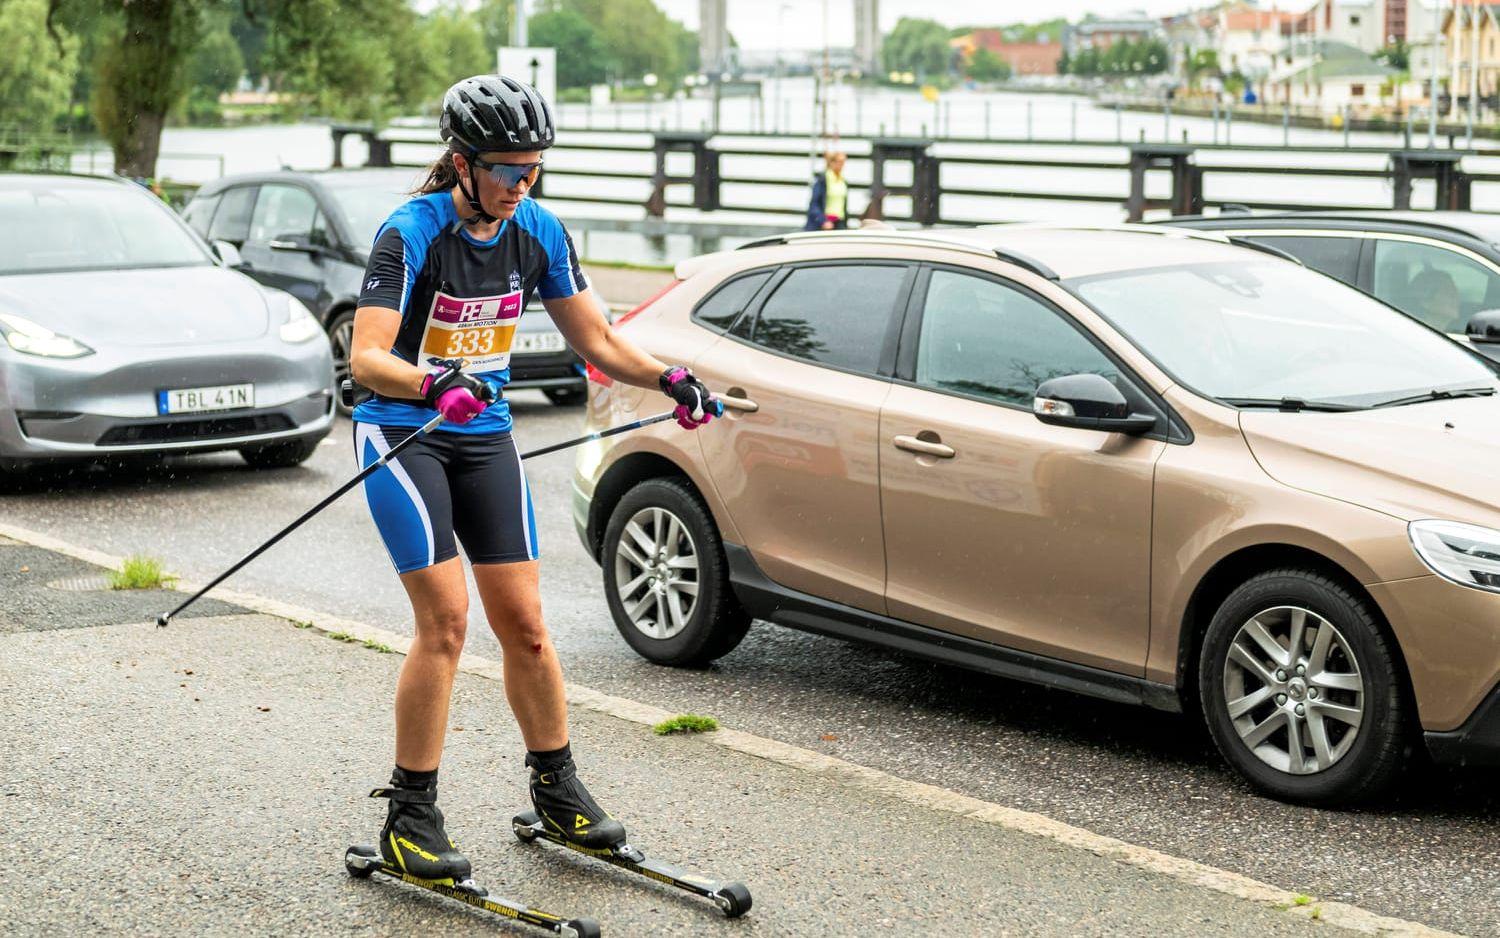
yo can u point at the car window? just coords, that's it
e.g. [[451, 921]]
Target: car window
[[1440, 287], [200, 212], [836, 314], [283, 213], [983, 338], [1336, 257], [232, 221], [729, 300]]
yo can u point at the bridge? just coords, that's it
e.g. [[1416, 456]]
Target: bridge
[[713, 35]]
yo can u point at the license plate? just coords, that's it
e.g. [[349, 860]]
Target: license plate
[[200, 400], [538, 342]]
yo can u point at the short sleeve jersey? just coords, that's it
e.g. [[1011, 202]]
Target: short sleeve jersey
[[462, 298]]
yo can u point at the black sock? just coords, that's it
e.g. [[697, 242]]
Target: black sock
[[417, 781], [551, 759]]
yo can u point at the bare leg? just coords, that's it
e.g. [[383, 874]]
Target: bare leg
[[533, 676], [440, 600]]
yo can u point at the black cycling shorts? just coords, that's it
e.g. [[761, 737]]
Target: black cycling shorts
[[447, 484]]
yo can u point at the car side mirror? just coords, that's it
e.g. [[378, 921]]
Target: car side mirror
[[1088, 402], [228, 255], [1484, 326]]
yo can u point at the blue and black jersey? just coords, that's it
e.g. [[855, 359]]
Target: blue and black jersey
[[460, 297]]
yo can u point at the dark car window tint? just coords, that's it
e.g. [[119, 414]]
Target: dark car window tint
[[730, 300], [836, 315], [283, 213], [232, 220], [1336, 257], [1442, 288], [200, 212], [979, 337]]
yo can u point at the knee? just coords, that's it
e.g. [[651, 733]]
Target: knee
[[523, 633], [442, 631]]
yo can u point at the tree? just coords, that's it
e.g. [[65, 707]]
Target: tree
[[985, 65], [580, 56], [494, 22], [916, 45], [635, 35], [36, 74], [215, 67], [344, 64], [141, 71], [1397, 55], [447, 44]]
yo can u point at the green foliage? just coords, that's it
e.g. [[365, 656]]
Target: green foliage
[[341, 63], [36, 77], [916, 45], [985, 65], [139, 572], [447, 44], [494, 23], [580, 56], [1126, 57], [686, 723], [1397, 55]]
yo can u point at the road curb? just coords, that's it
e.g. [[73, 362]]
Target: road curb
[[1339, 914]]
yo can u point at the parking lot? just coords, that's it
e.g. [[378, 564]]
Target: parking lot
[[1149, 778]]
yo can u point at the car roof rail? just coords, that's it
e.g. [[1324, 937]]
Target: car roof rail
[[1026, 262], [890, 236], [1266, 249]]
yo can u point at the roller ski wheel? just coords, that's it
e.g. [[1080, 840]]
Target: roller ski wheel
[[733, 899], [363, 860]]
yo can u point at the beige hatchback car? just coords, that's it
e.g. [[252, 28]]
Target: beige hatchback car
[[1142, 464]]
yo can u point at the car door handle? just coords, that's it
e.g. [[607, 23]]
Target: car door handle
[[735, 399], [913, 445]]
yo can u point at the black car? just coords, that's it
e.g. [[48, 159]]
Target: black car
[[1441, 268], [310, 234]]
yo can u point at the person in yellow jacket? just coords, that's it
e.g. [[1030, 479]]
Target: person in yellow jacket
[[829, 207]]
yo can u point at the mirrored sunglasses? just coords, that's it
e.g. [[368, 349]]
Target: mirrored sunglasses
[[510, 175]]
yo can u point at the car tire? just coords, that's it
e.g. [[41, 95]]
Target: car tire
[[283, 454], [341, 339], [1289, 719], [709, 620], [566, 397]]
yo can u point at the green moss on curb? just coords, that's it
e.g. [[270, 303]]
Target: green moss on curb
[[686, 723]]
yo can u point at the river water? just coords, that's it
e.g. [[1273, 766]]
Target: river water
[[787, 108]]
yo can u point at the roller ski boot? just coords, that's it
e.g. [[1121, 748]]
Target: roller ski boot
[[564, 813], [415, 849]]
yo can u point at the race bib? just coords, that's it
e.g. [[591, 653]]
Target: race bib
[[477, 329]]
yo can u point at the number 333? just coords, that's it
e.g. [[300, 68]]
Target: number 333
[[471, 342]]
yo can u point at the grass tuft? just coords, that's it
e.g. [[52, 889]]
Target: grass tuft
[[301, 624], [1301, 899], [342, 637], [140, 572], [381, 647], [686, 723]]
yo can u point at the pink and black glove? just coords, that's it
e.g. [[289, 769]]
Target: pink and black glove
[[457, 396], [696, 404]]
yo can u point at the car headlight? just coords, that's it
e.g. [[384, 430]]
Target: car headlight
[[1466, 554], [300, 326], [23, 335]]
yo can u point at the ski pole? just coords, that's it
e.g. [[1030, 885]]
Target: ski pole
[[164, 618]]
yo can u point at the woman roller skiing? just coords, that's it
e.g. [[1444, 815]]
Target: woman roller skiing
[[448, 277]]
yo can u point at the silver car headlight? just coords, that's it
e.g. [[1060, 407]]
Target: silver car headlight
[[1466, 554], [300, 326], [33, 338]]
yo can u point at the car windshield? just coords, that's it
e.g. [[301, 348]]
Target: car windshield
[[1265, 330], [90, 227], [366, 208]]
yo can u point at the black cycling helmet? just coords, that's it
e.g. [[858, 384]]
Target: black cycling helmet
[[491, 112]]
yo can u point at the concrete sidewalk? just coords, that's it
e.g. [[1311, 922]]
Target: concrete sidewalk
[[205, 778]]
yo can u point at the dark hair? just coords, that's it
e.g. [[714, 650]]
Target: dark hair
[[442, 176]]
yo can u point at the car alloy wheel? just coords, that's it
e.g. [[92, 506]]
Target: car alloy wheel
[[341, 338], [657, 572], [1293, 690]]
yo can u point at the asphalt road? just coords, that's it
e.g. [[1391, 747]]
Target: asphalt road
[[1432, 855]]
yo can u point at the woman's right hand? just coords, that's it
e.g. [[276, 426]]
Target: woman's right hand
[[457, 396]]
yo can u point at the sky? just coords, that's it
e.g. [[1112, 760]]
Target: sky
[[754, 22]]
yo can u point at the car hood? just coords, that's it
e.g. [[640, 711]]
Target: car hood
[[1431, 460], [166, 306]]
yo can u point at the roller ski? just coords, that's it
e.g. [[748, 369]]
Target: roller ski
[[564, 813], [415, 849]]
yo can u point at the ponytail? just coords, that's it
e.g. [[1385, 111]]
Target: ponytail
[[442, 176]]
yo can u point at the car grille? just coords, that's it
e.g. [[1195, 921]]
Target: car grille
[[187, 431]]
